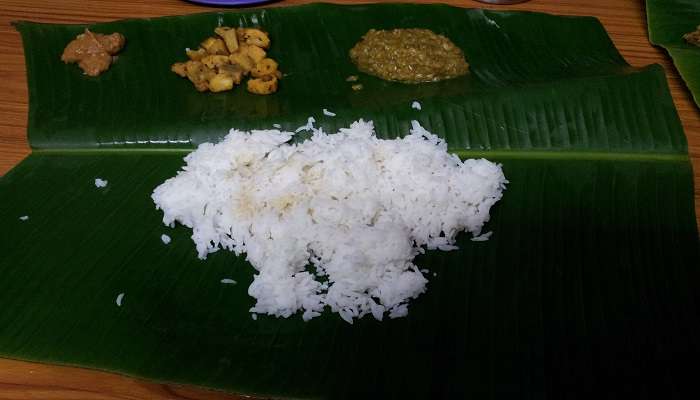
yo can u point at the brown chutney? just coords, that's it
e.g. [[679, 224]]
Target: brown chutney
[[94, 52], [408, 55]]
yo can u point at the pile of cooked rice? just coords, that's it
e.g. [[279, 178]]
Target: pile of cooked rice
[[333, 222]]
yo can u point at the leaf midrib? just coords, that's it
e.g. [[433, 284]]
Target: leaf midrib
[[462, 153]]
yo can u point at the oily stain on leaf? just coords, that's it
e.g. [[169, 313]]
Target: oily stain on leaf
[[592, 268]]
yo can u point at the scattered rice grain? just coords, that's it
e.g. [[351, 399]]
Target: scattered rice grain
[[308, 127], [120, 297]]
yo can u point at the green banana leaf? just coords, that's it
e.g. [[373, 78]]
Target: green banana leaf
[[589, 286], [668, 21]]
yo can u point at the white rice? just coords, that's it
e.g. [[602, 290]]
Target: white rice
[[328, 113], [334, 222], [24, 218], [416, 105], [228, 281], [483, 237], [100, 183], [165, 238], [120, 297]]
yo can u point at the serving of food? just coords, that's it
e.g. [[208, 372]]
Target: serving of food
[[334, 221], [408, 55], [220, 63], [93, 52]]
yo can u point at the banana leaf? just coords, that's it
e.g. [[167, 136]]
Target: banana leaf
[[668, 21], [588, 287]]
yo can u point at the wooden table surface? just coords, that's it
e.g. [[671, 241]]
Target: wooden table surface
[[624, 20]]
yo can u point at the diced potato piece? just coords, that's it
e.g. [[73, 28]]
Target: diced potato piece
[[198, 74], [254, 52], [234, 71], [253, 36], [243, 60], [193, 67], [196, 67], [179, 68], [229, 36], [266, 66], [202, 86], [220, 82], [196, 55], [213, 61], [264, 85], [214, 46]]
